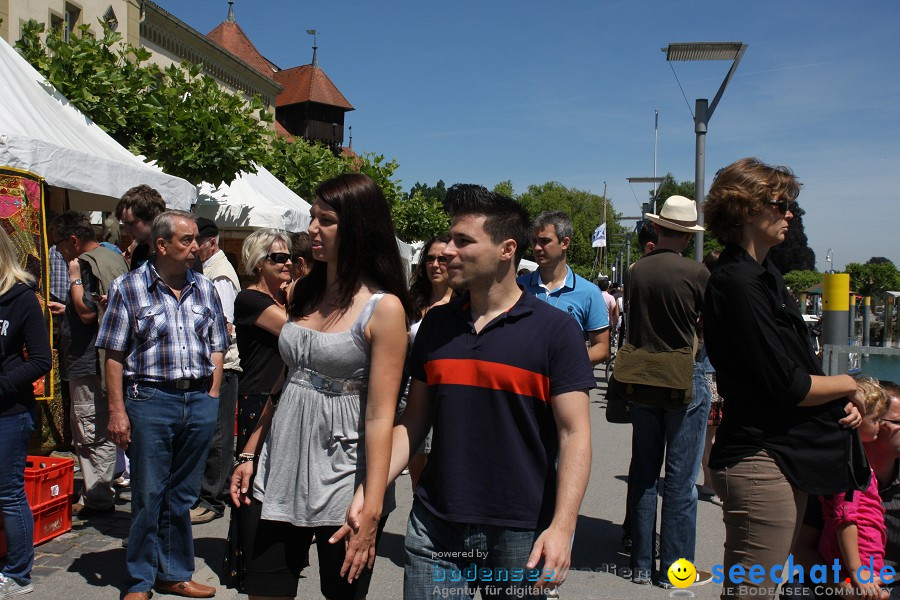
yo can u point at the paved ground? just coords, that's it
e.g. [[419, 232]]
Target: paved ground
[[88, 562]]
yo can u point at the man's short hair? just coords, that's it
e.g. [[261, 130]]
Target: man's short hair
[[562, 223], [163, 226], [603, 284], [301, 246], [145, 203], [504, 217], [74, 223], [647, 234]]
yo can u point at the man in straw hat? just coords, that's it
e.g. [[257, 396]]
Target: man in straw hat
[[664, 292]]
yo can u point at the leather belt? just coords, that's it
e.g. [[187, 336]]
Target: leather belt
[[182, 385], [329, 385]]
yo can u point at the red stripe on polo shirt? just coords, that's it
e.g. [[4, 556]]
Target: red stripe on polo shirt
[[491, 375]]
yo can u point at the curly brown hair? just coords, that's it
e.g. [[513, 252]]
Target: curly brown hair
[[742, 190]]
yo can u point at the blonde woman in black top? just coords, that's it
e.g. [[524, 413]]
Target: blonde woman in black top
[[787, 429]]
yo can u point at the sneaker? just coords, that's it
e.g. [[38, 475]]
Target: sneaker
[[122, 482], [9, 587], [703, 577], [201, 514], [552, 594]]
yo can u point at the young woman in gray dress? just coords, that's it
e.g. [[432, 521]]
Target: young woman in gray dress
[[328, 429]]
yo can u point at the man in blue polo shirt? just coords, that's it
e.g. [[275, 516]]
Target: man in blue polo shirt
[[558, 285], [503, 379]]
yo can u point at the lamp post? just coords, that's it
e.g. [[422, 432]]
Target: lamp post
[[691, 51], [829, 258], [655, 181]]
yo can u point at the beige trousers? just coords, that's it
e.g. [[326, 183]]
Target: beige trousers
[[95, 451], [762, 512]]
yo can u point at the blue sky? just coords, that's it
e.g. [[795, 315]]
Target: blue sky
[[534, 91]]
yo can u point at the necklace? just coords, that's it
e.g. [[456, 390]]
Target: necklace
[[261, 290]]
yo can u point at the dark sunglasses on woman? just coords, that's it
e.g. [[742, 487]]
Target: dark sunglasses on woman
[[279, 257], [783, 206]]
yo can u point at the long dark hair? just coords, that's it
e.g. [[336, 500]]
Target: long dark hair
[[420, 288], [367, 247]]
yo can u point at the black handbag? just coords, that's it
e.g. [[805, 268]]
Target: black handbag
[[616, 402]]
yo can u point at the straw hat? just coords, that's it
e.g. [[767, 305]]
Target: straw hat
[[678, 213]]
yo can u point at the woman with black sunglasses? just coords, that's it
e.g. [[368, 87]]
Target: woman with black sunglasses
[[259, 315], [787, 430], [328, 429]]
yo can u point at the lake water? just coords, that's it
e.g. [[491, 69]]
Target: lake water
[[881, 366]]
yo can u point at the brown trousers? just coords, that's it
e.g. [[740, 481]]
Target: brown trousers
[[762, 513]]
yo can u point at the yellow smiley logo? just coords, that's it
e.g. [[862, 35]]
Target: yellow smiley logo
[[682, 573]]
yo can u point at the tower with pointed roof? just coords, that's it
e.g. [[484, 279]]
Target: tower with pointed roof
[[310, 105]]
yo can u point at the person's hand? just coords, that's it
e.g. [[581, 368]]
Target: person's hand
[[240, 483], [104, 301], [56, 308], [358, 533], [555, 546], [854, 417], [868, 585], [119, 429], [74, 269]]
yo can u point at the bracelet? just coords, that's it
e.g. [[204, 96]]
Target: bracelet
[[244, 457]]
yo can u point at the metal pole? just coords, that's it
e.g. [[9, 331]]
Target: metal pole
[[701, 121], [628, 250], [655, 146], [867, 305], [836, 313], [852, 330]]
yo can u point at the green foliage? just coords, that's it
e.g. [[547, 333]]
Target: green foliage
[[303, 166], [436, 193], [420, 218], [801, 280], [505, 188], [670, 187], [178, 117], [586, 211], [873, 278]]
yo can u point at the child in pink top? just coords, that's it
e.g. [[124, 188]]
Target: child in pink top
[[854, 530]]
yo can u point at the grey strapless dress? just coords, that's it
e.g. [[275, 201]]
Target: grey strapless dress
[[314, 456]]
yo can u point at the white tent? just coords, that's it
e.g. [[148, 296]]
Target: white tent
[[253, 200], [42, 133]]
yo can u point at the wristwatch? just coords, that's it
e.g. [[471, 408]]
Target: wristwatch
[[76, 282]]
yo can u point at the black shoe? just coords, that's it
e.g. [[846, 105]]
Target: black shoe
[[86, 512]]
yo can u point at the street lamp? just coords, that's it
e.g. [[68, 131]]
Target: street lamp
[[829, 258], [690, 51], [655, 181]]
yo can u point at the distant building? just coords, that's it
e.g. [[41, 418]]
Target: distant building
[[303, 99]]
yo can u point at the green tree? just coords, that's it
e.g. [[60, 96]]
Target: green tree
[[586, 211], [801, 280], [670, 187], [436, 193], [505, 188], [178, 117], [873, 278], [420, 218]]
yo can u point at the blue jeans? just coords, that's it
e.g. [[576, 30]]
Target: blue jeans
[[15, 430], [458, 559], [170, 435], [678, 435]]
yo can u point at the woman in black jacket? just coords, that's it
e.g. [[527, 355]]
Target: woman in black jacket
[[24, 358], [787, 429]]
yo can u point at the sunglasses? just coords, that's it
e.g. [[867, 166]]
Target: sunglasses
[[279, 257], [891, 421], [440, 258], [783, 206]]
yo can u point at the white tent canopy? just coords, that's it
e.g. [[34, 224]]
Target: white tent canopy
[[42, 133], [253, 200]]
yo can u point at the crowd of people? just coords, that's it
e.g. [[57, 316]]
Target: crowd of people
[[300, 397]]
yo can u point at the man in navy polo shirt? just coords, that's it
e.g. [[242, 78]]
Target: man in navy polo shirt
[[503, 378], [558, 285]]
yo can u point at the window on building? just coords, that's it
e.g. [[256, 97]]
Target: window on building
[[110, 18], [73, 14]]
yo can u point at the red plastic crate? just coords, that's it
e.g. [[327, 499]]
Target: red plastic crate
[[50, 520], [48, 479]]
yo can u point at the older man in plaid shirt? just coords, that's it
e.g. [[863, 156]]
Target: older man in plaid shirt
[[165, 336]]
